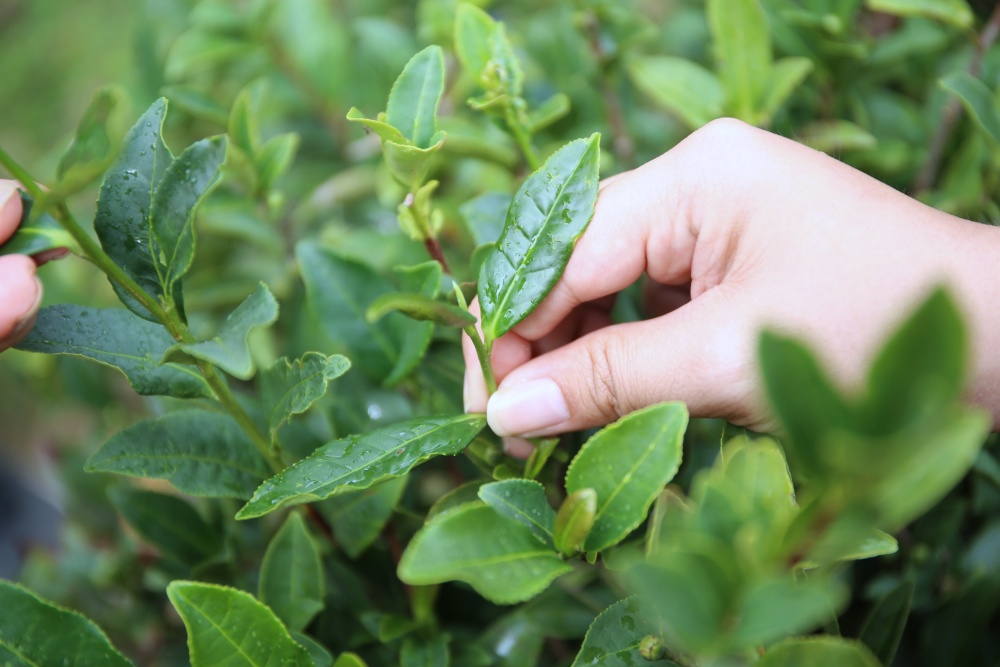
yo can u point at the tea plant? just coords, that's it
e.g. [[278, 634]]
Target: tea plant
[[331, 504]]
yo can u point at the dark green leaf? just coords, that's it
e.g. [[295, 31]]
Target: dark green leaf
[[186, 182], [819, 652], [628, 464], [883, 629], [549, 213], [360, 461], [425, 652], [36, 633], [96, 143], [523, 501], [201, 453], [229, 349], [169, 523], [614, 637], [358, 517], [419, 307], [291, 575], [320, 655], [680, 86], [498, 557], [978, 100], [414, 98], [119, 339], [229, 627], [290, 388], [122, 220], [37, 233]]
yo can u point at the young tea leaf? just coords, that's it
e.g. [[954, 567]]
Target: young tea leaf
[[628, 464], [684, 88], [414, 99], [230, 348], [548, 214], [291, 575], [34, 632], [821, 651], [742, 46], [290, 388], [360, 461], [498, 557], [358, 517], [201, 453], [96, 143], [119, 339], [574, 521], [473, 34], [419, 307], [883, 629], [226, 626], [523, 501], [169, 523], [614, 638]]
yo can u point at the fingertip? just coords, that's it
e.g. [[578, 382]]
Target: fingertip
[[20, 298], [10, 209], [519, 448]]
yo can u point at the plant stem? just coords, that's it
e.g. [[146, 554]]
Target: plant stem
[[483, 353], [522, 137], [434, 250]]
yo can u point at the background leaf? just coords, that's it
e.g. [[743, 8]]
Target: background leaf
[[290, 388], [291, 575], [614, 637], [415, 96], [819, 652], [169, 523], [680, 86], [978, 100], [97, 141], [358, 517]]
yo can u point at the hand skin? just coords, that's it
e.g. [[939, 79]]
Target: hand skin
[[20, 289], [737, 229]]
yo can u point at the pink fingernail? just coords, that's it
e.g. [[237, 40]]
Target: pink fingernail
[[527, 408]]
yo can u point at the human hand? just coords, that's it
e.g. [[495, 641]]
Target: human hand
[[737, 229], [20, 289]]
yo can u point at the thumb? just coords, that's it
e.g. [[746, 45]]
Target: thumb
[[701, 354]]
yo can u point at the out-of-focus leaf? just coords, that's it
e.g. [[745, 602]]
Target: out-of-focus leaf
[[229, 627], [98, 139], [291, 575], [275, 157], [498, 557], [628, 464], [169, 523], [197, 50], [523, 501], [419, 307], [473, 33], [290, 388], [201, 453], [833, 136], [484, 216], [614, 637], [358, 517], [35, 632], [360, 461], [229, 349], [414, 98], [36, 234], [884, 626], [781, 606], [819, 652], [550, 111], [742, 47], [119, 339], [425, 653], [786, 75], [680, 86], [978, 100], [953, 12], [314, 36], [320, 655], [550, 211]]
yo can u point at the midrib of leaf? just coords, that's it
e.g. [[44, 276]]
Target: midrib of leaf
[[221, 632], [502, 303], [18, 654], [528, 517], [281, 401], [628, 476], [420, 104], [204, 459], [152, 244]]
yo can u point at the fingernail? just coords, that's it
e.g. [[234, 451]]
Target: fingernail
[[527, 408], [8, 191], [26, 322]]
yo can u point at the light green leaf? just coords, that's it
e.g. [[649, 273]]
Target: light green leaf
[[786, 75], [349, 660], [408, 164], [186, 182], [36, 633], [419, 307], [781, 606], [290, 388], [361, 461], [484, 215], [275, 157], [169, 523], [385, 131], [680, 86], [952, 12], [614, 637], [244, 124], [498, 557], [819, 651], [229, 627], [523, 501], [96, 143], [314, 35], [742, 46], [291, 575], [229, 349], [574, 521], [431, 652], [550, 211], [36, 234], [123, 209], [201, 453], [833, 136], [119, 339], [358, 517], [550, 111], [978, 100], [628, 464], [473, 32], [197, 50], [414, 98]]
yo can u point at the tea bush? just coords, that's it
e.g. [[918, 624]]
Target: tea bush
[[301, 486]]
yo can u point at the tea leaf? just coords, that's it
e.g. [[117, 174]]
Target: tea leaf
[[628, 464], [424, 280], [549, 213], [119, 339], [275, 157], [227, 626], [169, 523], [781, 606], [358, 517], [229, 349], [978, 100], [317, 652], [835, 135], [34, 632], [37, 233], [785, 77], [613, 638], [186, 183], [484, 216], [574, 521], [498, 557], [291, 575], [473, 33], [123, 209], [315, 37], [360, 461], [523, 501], [431, 652], [883, 629], [688, 90], [419, 307], [96, 143], [414, 99], [742, 47], [290, 388], [201, 453], [953, 12], [818, 652]]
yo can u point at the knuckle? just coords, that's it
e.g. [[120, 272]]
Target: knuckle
[[605, 387]]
